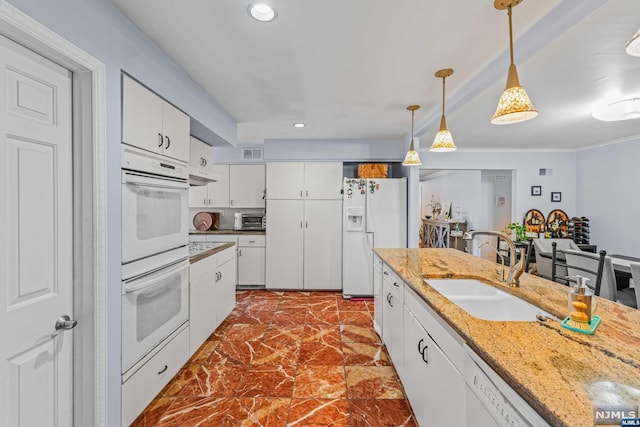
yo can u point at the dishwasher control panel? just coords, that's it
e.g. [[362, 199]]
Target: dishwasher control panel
[[494, 401]]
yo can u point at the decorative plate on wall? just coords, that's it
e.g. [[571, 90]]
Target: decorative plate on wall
[[557, 222], [534, 221]]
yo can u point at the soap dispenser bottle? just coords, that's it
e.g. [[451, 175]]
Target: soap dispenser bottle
[[581, 298]]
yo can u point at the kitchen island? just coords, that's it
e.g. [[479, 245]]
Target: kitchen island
[[561, 374]]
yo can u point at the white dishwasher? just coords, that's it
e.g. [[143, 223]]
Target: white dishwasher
[[489, 399]]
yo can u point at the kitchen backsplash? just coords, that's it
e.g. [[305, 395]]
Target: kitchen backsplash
[[226, 216]]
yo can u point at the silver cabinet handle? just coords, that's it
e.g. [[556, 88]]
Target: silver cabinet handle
[[205, 202], [420, 348], [209, 202], [163, 370], [300, 224], [300, 193], [306, 224], [168, 142], [239, 252], [425, 354], [252, 241], [307, 193], [231, 202], [396, 284], [161, 140], [386, 273]]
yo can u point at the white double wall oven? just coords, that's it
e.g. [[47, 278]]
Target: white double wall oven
[[155, 252]]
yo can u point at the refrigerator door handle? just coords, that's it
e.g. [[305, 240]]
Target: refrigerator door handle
[[370, 239]]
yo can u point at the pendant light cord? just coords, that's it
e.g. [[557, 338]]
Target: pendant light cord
[[412, 113], [443, 96], [510, 35]]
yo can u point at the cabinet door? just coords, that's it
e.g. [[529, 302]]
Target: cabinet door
[[141, 116], [225, 290], [175, 128], [323, 180], [246, 186], [415, 384], [322, 244], [202, 317], [285, 244], [392, 325], [200, 155], [285, 180], [219, 190], [198, 197], [251, 264]]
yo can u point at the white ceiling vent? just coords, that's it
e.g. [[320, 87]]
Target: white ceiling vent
[[252, 153]]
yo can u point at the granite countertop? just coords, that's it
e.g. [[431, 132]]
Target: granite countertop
[[560, 373], [202, 255], [227, 231]]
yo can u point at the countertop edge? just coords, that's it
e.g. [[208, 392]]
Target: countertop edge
[[213, 251]]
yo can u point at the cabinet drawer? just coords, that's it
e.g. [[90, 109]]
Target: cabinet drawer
[[226, 255], [202, 267], [446, 338], [394, 282], [139, 389], [223, 238], [252, 240]]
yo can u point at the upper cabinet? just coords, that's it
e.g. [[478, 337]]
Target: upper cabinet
[[201, 155], [238, 186], [304, 180], [246, 186], [151, 123]]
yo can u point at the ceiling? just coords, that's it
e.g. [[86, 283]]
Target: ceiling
[[348, 69]]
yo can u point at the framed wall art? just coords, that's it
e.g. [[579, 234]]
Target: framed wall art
[[536, 190], [556, 196]]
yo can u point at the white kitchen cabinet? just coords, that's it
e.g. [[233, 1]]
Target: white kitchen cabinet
[[201, 155], [285, 244], [378, 299], [246, 186], [151, 123], [322, 244], [300, 180], [214, 194], [392, 318], [435, 388], [212, 294], [251, 260], [304, 244], [152, 373]]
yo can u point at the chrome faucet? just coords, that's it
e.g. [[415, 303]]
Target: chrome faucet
[[487, 243], [515, 268]]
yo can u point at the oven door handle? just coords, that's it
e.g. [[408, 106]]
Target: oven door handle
[[152, 181], [139, 285]]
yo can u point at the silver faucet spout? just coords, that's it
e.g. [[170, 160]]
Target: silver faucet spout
[[516, 268]]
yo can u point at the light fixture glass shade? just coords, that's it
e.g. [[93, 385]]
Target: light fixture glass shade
[[622, 109], [514, 106], [412, 158], [632, 47], [443, 142]]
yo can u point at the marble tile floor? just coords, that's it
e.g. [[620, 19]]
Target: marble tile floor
[[305, 359]]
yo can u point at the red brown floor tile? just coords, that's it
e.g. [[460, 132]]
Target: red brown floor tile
[[302, 359]]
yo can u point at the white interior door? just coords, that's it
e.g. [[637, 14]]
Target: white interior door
[[36, 246]]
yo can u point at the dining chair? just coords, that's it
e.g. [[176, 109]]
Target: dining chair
[[598, 268], [635, 275], [544, 256]]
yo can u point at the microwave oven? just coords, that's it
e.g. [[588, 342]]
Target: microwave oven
[[245, 221]]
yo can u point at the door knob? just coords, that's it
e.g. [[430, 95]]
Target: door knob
[[65, 322]]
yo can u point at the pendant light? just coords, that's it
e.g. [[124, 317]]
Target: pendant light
[[412, 158], [514, 105], [443, 141]]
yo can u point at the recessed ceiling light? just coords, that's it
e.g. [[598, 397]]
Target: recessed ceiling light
[[299, 125], [621, 109], [262, 12]]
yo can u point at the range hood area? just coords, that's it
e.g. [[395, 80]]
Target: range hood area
[[199, 177]]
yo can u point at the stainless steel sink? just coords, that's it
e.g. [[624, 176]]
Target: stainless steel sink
[[486, 302]]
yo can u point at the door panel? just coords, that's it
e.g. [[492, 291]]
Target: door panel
[[322, 244], [285, 180], [285, 244], [323, 180], [176, 128], [145, 131], [36, 252]]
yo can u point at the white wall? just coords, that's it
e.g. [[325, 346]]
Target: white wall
[[102, 31], [461, 188], [609, 195], [338, 149], [526, 165]]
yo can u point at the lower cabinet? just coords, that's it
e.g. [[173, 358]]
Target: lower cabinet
[[435, 388], [392, 322], [377, 295], [156, 370], [251, 260], [212, 295]]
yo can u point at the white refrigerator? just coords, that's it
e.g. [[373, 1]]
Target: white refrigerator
[[374, 215]]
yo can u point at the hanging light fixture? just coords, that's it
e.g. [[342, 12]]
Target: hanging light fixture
[[443, 141], [412, 158], [514, 105]]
